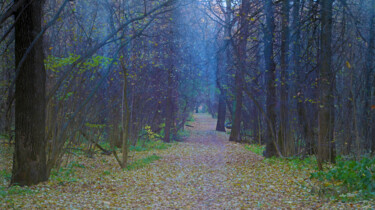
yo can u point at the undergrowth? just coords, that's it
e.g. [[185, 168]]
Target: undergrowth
[[140, 163], [15, 190], [6, 151], [256, 148], [66, 174], [348, 179], [150, 145]]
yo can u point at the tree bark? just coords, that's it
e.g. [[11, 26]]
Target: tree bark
[[326, 144], [270, 68], [243, 35], [370, 75], [220, 126], [284, 129], [29, 162], [168, 109]]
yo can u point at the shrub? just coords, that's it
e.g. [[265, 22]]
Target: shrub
[[350, 176]]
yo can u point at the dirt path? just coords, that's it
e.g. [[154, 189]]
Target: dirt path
[[210, 159], [204, 172], [212, 173]]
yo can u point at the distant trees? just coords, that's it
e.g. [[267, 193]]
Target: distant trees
[[302, 96]]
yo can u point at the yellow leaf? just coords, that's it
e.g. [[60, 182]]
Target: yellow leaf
[[348, 64]]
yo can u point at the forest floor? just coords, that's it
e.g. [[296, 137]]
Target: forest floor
[[206, 171]]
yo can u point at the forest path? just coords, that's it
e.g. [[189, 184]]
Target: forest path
[[206, 171], [206, 167]]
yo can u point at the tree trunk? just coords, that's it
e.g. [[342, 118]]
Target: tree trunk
[[270, 69], [370, 75], [326, 144], [243, 35], [220, 126], [168, 109], [29, 162], [125, 124], [236, 125], [284, 130]]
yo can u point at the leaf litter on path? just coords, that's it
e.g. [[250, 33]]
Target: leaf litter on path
[[204, 172]]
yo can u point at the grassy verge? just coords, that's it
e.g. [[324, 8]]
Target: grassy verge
[[140, 163], [347, 180], [150, 145], [256, 148]]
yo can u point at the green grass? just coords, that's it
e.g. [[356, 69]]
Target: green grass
[[15, 190], [143, 145], [182, 134], [66, 174], [256, 148], [191, 118], [5, 176], [294, 162], [308, 163], [149, 145], [142, 162]]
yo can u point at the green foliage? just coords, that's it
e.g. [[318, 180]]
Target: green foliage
[[295, 163], [4, 136], [182, 134], [54, 64], [106, 172], [143, 162], [191, 118], [256, 148], [105, 144], [5, 175], [151, 136], [149, 145], [91, 125], [66, 174], [350, 177], [302, 163], [15, 190]]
